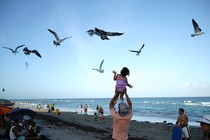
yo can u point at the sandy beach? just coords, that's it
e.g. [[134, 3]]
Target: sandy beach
[[75, 126]]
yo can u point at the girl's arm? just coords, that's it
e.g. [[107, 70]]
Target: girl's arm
[[129, 85], [115, 75]]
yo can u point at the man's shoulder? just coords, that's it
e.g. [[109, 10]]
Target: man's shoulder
[[184, 115]]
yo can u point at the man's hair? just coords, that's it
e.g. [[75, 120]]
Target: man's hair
[[181, 109], [31, 122], [16, 121], [123, 109]]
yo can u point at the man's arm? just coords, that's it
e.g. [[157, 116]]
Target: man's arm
[[14, 130], [38, 129], [113, 101], [178, 121], [128, 100]]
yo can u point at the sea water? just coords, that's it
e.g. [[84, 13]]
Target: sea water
[[144, 109]]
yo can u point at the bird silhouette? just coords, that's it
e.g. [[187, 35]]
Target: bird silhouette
[[27, 52], [26, 63], [197, 29], [15, 50], [100, 67], [58, 41], [103, 34], [3, 90], [139, 51]]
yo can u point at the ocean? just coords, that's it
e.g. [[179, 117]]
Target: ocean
[[144, 109]]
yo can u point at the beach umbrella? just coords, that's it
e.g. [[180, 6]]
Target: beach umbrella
[[5, 102], [18, 113], [5, 110]]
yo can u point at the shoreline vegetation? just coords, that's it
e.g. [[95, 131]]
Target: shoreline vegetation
[[70, 125]]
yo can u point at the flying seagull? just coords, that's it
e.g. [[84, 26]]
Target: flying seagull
[[100, 67], [58, 41], [14, 51], [139, 51], [26, 63], [103, 34], [27, 52], [197, 29]]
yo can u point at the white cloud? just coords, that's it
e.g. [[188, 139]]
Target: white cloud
[[195, 85]]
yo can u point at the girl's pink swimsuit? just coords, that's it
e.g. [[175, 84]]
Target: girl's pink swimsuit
[[120, 85]]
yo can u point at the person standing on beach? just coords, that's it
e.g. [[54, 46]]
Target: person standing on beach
[[182, 121], [97, 107], [13, 133], [34, 130], [121, 81], [205, 126], [121, 119], [81, 108], [85, 109]]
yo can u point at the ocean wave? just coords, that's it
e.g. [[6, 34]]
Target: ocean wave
[[145, 102], [191, 103], [205, 103], [67, 101], [187, 101], [161, 103]]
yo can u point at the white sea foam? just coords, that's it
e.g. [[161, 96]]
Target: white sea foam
[[189, 103], [146, 102], [205, 103]]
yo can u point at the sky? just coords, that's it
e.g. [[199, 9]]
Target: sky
[[171, 64]]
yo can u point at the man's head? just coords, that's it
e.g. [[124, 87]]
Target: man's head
[[31, 122], [205, 123], [16, 122], [123, 109], [181, 111]]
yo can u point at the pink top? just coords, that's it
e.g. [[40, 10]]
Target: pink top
[[120, 125], [120, 85]]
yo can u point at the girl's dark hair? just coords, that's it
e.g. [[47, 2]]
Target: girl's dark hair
[[125, 71]]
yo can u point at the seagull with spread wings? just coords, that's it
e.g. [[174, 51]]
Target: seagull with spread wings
[[58, 40], [139, 51], [100, 67], [197, 29], [14, 51], [103, 34], [27, 52]]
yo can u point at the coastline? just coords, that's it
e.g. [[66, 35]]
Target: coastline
[[144, 109]]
